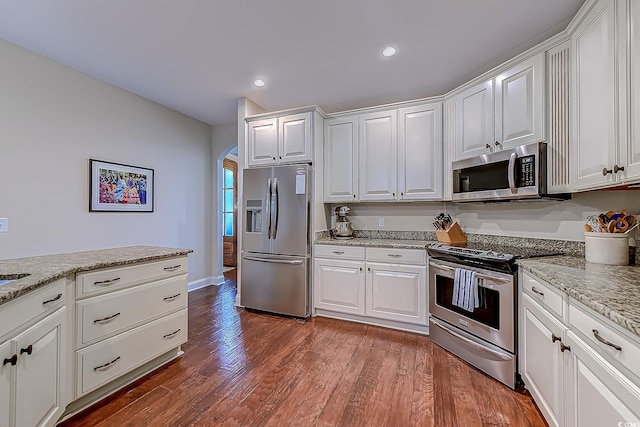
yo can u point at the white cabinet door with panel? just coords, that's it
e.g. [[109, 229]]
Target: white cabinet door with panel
[[339, 285], [475, 121], [397, 292], [420, 152], [594, 99], [6, 375], [39, 375], [599, 394], [541, 361], [263, 142], [341, 159], [632, 160], [294, 138], [378, 148], [519, 104]]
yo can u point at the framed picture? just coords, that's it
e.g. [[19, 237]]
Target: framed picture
[[115, 187]]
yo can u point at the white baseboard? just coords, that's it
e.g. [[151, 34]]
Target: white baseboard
[[207, 281]]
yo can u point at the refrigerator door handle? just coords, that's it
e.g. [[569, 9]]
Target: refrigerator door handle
[[275, 260], [276, 204], [268, 207]]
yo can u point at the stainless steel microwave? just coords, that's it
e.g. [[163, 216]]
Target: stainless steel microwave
[[517, 173]]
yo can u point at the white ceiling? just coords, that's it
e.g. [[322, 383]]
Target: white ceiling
[[199, 56]]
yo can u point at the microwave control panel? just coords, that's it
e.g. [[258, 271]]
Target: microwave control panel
[[527, 171]]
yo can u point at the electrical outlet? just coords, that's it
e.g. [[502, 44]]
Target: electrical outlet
[[380, 222], [4, 225]]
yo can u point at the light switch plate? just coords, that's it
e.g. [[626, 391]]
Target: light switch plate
[[4, 225], [380, 222]]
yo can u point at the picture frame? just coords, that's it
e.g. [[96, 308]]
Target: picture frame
[[117, 187]]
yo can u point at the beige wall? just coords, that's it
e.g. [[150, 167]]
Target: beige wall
[[52, 121]]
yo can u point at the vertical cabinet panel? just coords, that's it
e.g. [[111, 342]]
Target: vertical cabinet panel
[[475, 120], [519, 101], [397, 292], [340, 159], [594, 103], [558, 142], [263, 142], [633, 148], [339, 286], [295, 138], [420, 152], [6, 374], [378, 155]]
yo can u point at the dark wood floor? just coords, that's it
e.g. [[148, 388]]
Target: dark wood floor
[[243, 368]]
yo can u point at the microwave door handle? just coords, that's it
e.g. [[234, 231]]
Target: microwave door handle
[[268, 207], [478, 275], [512, 173]]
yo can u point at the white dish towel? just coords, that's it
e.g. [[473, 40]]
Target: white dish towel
[[465, 290]]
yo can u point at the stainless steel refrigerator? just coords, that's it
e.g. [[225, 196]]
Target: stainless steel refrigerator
[[274, 267]]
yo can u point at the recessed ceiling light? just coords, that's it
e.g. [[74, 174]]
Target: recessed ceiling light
[[259, 82], [389, 51]]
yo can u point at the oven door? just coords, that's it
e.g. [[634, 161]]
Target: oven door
[[493, 321]]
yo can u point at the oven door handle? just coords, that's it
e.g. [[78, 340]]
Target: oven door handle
[[478, 275], [498, 354]]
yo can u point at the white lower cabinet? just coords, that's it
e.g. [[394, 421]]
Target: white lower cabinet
[[363, 285], [580, 369]]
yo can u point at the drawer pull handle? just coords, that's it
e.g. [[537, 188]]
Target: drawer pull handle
[[171, 335], [27, 350], [13, 360], [338, 252], [106, 319], [172, 297], [54, 299], [395, 255], [172, 268], [106, 282], [603, 341], [535, 291], [564, 347], [106, 365], [555, 338]]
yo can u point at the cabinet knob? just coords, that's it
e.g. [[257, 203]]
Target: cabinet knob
[[393, 194], [497, 143], [488, 146], [606, 171], [27, 350], [273, 158], [354, 196], [617, 169], [360, 268], [554, 338], [564, 347], [13, 360], [369, 269], [401, 194]]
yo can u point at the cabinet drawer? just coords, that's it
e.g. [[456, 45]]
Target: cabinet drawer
[[100, 363], [114, 312], [544, 294], [397, 256], [339, 252], [106, 280], [628, 357], [23, 309]]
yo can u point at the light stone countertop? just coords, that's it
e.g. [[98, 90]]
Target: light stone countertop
[[610, 290], [45, 269]]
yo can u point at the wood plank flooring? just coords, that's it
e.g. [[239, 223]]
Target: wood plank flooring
[[242, 368]]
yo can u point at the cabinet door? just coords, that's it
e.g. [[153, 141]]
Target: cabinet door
[[420, 152], [519, 114], [475, 121], [594, 101], [295, 138], [38, 376], [397, 292], [339, 285], [263, 142], [541, 362], [632, 160], [340, 159], [599, 395], [6, 373], [378, 148]]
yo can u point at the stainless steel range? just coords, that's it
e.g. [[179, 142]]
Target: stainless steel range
[[483, 333]]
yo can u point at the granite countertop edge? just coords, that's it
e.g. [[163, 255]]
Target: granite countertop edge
[[377, 243], [46, 269]]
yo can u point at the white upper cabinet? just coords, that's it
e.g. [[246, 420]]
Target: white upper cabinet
[[295, 138], [340, 159], [280, 140], [378, 148], [474, 121], [594, 99], [519, 100], [632, 160], [420, 152]]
